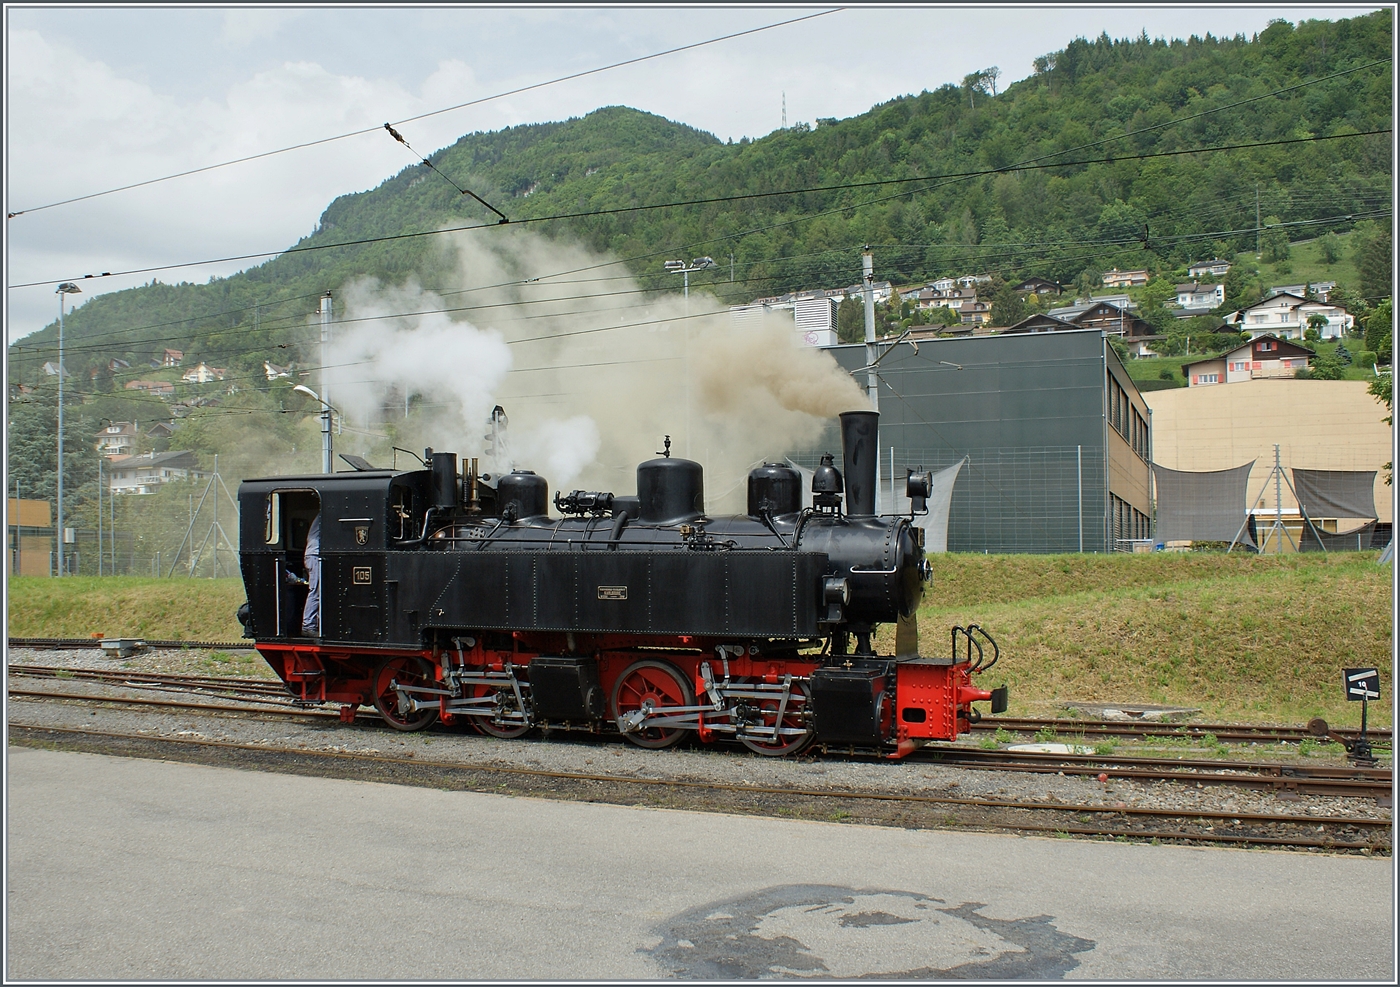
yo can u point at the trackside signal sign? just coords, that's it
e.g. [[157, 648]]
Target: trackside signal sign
[[1361, 684]]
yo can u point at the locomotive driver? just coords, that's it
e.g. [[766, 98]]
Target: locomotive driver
[[311, 615]]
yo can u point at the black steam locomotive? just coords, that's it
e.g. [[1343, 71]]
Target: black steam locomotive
[[457, 596]]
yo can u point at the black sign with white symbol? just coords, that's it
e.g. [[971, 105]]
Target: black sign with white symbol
[[362, 575], [612, 592], [1361, 683]]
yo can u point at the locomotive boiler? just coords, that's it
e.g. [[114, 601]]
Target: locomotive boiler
[[452, 595]]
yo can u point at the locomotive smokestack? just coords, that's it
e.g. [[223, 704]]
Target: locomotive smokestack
[[859, 447], [444, 479]]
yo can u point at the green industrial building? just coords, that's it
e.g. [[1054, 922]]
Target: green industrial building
[[1055, 437]]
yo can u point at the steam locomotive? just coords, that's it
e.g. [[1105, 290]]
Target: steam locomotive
[[456, 596]]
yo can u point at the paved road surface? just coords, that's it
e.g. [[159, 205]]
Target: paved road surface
[[138, 869]]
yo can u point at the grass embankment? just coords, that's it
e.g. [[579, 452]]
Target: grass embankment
[[126, 606], [1242, 637]]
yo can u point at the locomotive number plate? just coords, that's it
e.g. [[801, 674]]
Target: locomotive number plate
[[612, 592], [362, 575]]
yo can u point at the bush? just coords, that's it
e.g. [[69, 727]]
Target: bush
[[1311, 335], [1365, 360], [1166, 374], [1325, 368]]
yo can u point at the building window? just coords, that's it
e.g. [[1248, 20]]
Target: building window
[[1210, 378]]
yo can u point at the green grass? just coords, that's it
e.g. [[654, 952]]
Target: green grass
[[125, 606], [1305, 264], [1242, 637]]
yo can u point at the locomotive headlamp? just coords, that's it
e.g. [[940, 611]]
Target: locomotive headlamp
[[918, 487], [836, 589], [836, 596]]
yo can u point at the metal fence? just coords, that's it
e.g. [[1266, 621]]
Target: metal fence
[[1038, 500]]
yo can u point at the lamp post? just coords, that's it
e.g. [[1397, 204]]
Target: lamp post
[[683, 269], [326, 412], [67, 288], [325, 387]]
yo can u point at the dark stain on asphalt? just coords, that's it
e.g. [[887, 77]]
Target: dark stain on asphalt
[[796, 931]]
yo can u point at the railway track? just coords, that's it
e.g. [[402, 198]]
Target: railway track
[[1285, 779], [174, 681], [1117, 822], [1230, 732], [75, 643], [1303, 779]]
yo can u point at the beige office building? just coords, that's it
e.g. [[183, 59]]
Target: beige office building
[[1317, 424]]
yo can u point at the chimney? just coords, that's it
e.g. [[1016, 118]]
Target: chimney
[[859, 447]]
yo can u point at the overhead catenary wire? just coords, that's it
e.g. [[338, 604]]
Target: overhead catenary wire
[[940, 181], [437, 171], [431, 113], [978, 252]]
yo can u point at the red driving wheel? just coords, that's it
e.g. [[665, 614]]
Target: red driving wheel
[[408, 672], [504, 729], [652, 684], [792, 719]]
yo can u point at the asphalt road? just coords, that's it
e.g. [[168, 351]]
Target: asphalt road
[[136, 869]]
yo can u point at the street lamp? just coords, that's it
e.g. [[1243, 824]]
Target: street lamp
[[697, 264], [326, 412], [67, 288]]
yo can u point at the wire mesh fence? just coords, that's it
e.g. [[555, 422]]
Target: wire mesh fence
[[1039, 500]]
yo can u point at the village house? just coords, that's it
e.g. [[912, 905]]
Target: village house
[[1200, 296], [1266, 356], [203, 374], [1288, 316], [144, 474], [159, 388], [975, 313], [1208, 268], [118, 439], [171, 358], [1123, 279], [950, 298], [1116, 320], [1037, 286], [1319, 289], [51, 369]]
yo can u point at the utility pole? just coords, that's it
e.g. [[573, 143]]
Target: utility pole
[[326, 466], [1258, 226], [67, 288], [99, 513], [872, 386], [785, 109]]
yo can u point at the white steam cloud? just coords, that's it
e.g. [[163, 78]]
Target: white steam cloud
[[591, 370]]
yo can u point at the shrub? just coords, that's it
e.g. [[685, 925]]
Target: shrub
[[1365, 360]]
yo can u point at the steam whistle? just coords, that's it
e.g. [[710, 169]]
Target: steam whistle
[[475, 504]]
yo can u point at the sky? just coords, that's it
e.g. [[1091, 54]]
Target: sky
[[102, 97]]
